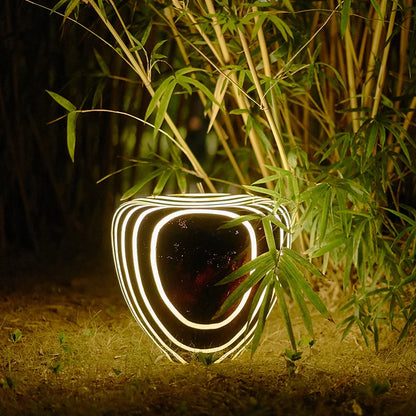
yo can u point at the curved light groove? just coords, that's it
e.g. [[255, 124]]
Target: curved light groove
[[137, 233]]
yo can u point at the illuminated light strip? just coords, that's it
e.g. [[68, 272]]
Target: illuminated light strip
[[153, 248], [243, 336]]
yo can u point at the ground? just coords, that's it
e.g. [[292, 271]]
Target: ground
[[69, 346]]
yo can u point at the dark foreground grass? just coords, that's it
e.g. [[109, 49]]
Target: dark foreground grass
[[69, 346]]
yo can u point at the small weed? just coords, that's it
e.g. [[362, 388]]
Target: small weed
[[7, 382], [206, 359], [116, 372], [89, 332], [306, 341], [291, 357], [15, 336], [379, 387], [57, 368], [63, 342]]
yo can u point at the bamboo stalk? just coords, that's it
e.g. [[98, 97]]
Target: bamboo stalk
[[241, 101], [218, 130], [143, 76], [383, 66], [352, 91], [268, 73], [404, 42], [264, 103], [375, 45]]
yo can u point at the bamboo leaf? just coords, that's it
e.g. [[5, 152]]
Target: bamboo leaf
[[101, 63], [263, 312], [219, 93], [62, 101], [377, 8], [268, 232], [71, 133], [325, 208], [284, 310], [102, 8], [261, 190], [242, 288], [139, 185], [305, 264], [296, 292], [163, 106], [181, 180], [154, 102], [281, 26], [163, 179], [336, 241], [239, 220], [264, 259], [200, 87], [294, 273], [58, 5], [70, 8]]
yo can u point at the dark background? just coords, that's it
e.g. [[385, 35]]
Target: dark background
[[51, 208]]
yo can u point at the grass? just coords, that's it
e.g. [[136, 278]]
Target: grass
[[80, 352]]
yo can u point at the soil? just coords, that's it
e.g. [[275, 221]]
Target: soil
[[69, 346]]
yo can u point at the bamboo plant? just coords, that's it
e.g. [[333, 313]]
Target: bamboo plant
[[311, 104]]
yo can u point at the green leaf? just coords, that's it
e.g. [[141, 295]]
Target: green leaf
[[377, 8], [261, 190], [58, 5], [163, 105], [297, 258], [181, 180], [325, 208], [136, 188], [335, 242], [239, 220], [70, 133], [62, 101], [70, 8], [296, 292], [371, 139], [15, 336], [57, 368], [313, 297], [62, 338], [164, 177], [102, 8], [263, 313], [247, 268], [293, 355], [268, 232], [154, 102], [281, 26], [101, 63], [261, 270], [284, 310]]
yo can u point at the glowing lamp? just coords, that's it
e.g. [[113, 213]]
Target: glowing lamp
[[171, 251]]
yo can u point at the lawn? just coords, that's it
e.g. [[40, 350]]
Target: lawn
[[69, 346]]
